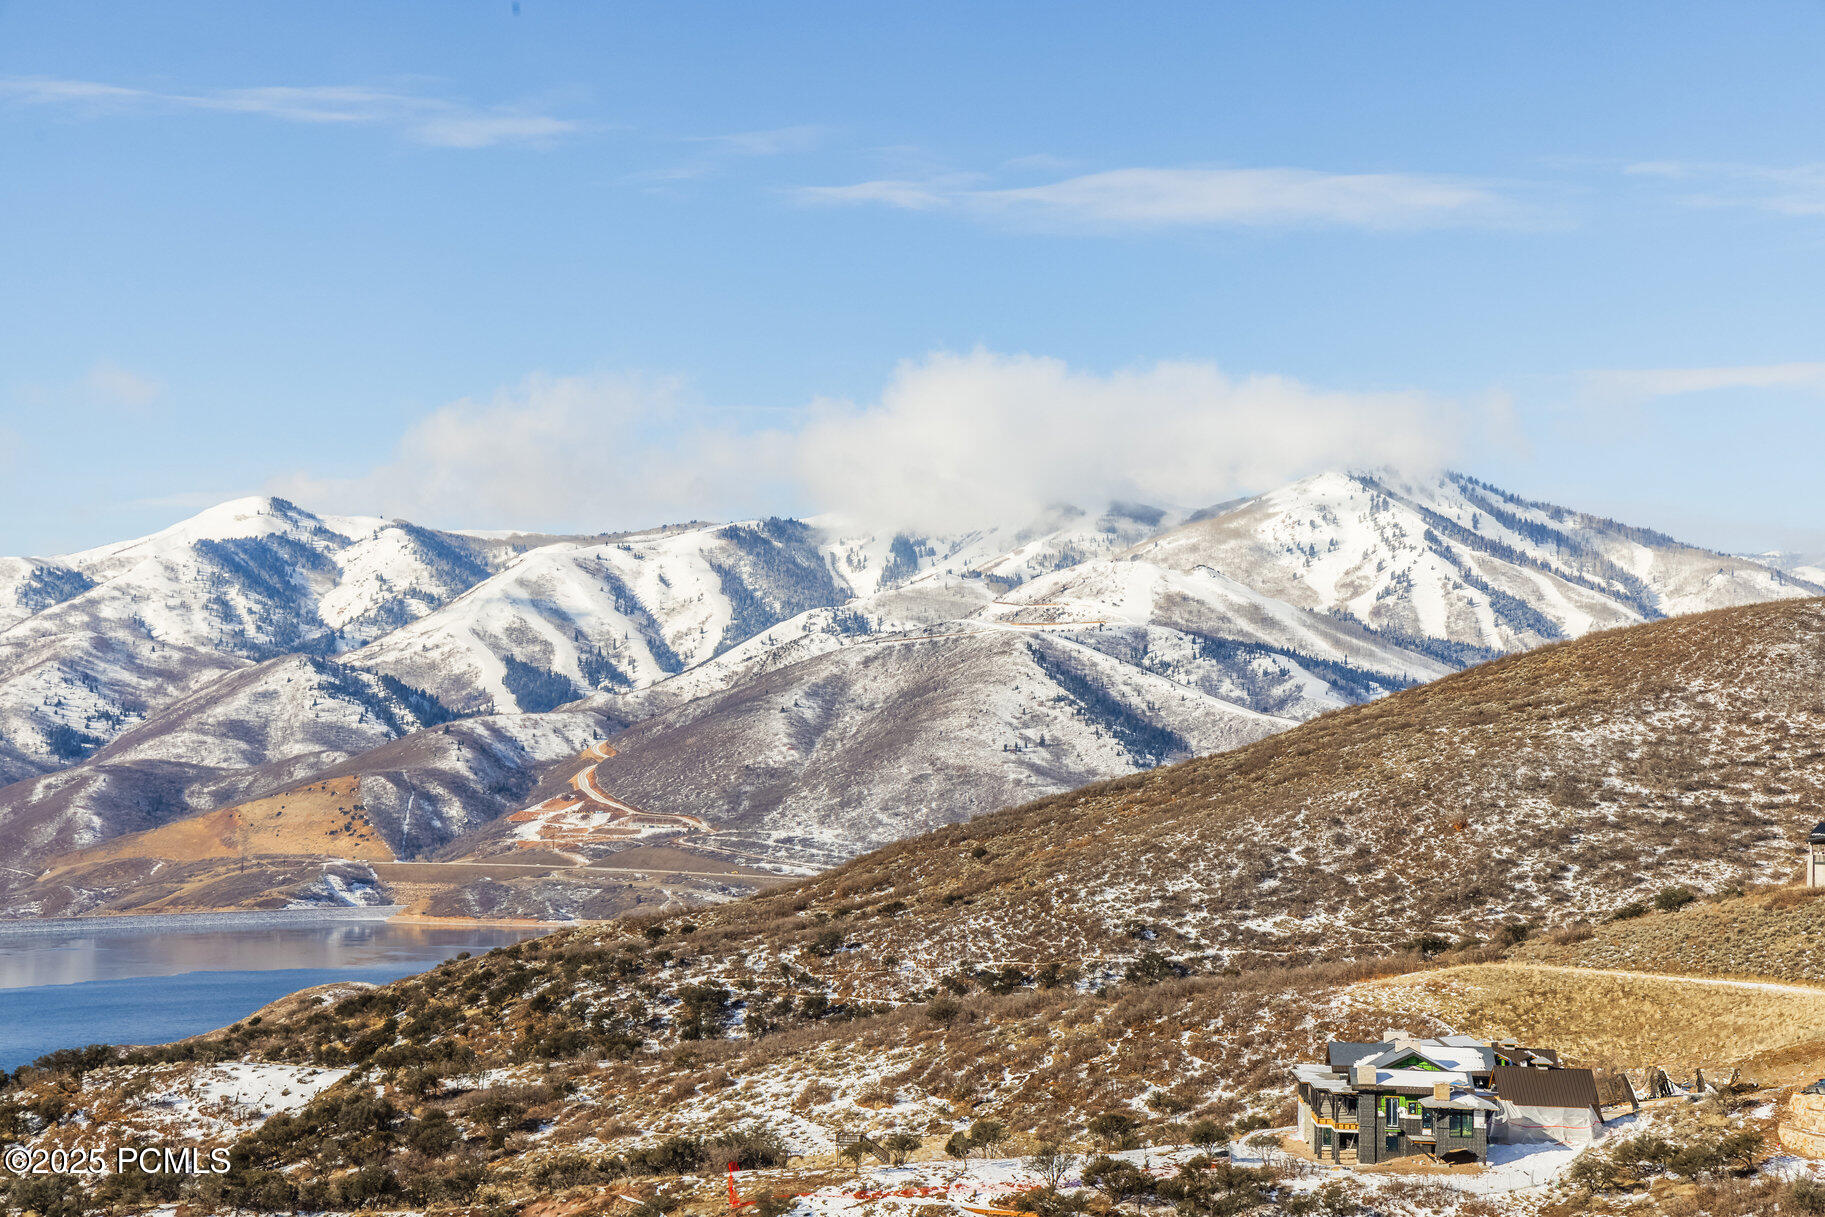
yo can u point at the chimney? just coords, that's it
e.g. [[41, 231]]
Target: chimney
[[1441, 1091], [1362, 1075]]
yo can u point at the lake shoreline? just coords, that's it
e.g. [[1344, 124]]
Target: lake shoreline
[[229, 919], [156, 980], [232, 919]]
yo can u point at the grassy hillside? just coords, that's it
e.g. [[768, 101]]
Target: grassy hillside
[[1771, 935], [1771, 1032]]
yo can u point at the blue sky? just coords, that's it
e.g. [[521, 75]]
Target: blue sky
[[594, 266]]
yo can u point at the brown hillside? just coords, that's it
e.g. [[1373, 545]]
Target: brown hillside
[[1619, 1019], [323, 817], [1542, 787], [1776, 935]]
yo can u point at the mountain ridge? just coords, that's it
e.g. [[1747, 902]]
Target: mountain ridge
[[1134, 625]]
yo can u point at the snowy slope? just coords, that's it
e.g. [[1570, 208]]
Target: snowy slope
[[426, 788], [256, 729], [868, 743], [1208, 631], [95, 641], [31, 585], [1806, 567], [1006, 555], [569, 618], [1455, 566], [418, 791]]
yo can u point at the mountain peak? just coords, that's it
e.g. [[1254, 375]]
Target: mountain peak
[[235, 511]]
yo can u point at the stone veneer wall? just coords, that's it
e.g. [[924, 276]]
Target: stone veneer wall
[[1803, 1131]]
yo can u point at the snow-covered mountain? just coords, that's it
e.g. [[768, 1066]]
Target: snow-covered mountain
[[256, 729], [813, 687], [816, 760], [94, 642], [1809, 567], [1455, 561], [569, 618]]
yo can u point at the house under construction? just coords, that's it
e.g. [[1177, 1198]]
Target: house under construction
[[1448, 1098]]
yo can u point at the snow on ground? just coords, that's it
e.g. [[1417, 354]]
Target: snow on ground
[[265, 1088], [1512, 1170], [215, 1102]]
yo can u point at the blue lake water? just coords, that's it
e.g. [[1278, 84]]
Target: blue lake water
[[152, 980]]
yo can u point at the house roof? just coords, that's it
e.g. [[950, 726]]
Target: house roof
[[1471, 1058], [1419, 1079], [1527, 1087], [1817, 836], [1453, 1053], [1461, 1100], [1341, 1055], [1458, 1053], [1314, 1074]]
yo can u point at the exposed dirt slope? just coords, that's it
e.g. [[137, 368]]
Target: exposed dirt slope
[[324, 817]]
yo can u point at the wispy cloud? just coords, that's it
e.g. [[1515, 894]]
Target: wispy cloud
[[422, 118], [1188, 197], [778, 141], [1789, 190], [105, 386], [712, 153], [187, 500], [1646, 384], [110, 384]]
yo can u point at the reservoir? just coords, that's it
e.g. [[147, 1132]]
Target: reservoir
[[149, 980]]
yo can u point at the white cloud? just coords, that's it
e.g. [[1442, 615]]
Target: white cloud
[[1645, 384], [424, 119], [954, 440], [960, 439], [905, 193], [586, 453], [1178, 197], [105, 386]]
